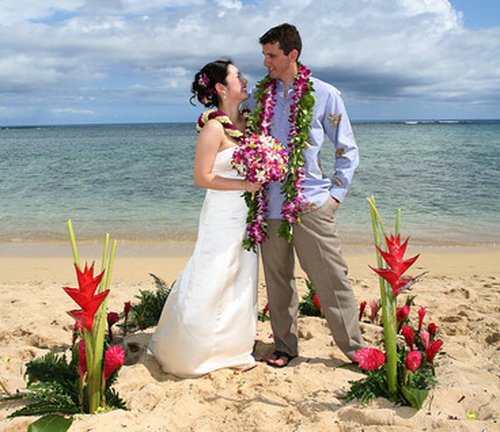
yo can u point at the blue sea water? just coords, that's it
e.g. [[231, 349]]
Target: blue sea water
[[135, 181]]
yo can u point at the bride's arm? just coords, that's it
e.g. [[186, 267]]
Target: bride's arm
[[210, 140]]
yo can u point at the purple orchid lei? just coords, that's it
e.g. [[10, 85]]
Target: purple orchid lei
[[300, 123]]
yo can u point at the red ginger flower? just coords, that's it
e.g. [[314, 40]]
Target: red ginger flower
[[421, 315], [369, 358], [433, 349], [82, 360], [402, 313], [431, 328], [413, 360], [317, 304], [126, 307], [85, 297], [374, 307], [112, 318], [113, 359], [397, 265], [362, 307], [409, 336]]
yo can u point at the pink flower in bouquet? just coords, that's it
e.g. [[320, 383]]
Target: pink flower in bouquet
[[397, 265], [402, 313], [409, 336], [261, 159], [431, 328], [85, 297], [369, 359], [413, 360], [113, 359], [82, 361], [432, 350], [362, 307], [421, 315]]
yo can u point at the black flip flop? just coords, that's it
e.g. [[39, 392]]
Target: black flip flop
[[279, 355]]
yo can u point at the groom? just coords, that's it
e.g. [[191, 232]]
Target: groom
[[315, 240]]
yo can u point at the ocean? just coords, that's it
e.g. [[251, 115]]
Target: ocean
[[135, 181]]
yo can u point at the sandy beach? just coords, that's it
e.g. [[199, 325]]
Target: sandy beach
[[461, 292]]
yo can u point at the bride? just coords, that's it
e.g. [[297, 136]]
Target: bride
[[209, 319]]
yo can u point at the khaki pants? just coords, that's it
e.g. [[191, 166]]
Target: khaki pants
[[319, 251]]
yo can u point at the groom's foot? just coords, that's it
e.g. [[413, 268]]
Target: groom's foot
[[280, 359]]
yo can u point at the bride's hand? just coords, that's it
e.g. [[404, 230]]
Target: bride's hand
[[252, 187]]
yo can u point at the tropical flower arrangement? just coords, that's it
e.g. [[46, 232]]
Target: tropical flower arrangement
[[405, 372], [300, 118], [310, 305], [84, 384], [262, 159]]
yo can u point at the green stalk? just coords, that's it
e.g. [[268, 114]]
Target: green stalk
[[398, 222], [72, 239], [388, 303]]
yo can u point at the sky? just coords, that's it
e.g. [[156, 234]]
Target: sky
[[132, 61]]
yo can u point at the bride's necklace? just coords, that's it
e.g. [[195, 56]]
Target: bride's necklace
[[300, 119], [229, 127]]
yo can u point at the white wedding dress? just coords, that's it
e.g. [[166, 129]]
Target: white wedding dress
[[209, 319]]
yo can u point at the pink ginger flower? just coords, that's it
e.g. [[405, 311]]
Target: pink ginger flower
[[409, 336], [413, 360], [369, 359], [113, 359], [425, 338]]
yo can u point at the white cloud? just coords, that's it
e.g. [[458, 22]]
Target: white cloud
[[72, 111], [81, 51]]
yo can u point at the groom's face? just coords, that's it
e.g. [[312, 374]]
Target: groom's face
[[278, 63]]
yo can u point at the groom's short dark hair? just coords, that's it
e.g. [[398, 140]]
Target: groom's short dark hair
[[286, 34]]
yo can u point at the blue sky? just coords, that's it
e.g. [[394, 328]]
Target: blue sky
[[92, 61]]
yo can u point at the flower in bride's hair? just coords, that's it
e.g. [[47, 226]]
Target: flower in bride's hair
[[369, 359], [203, 80]]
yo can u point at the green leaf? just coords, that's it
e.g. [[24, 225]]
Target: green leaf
[[414, 396], [51, 423]]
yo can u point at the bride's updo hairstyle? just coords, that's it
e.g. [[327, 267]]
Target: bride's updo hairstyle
[[203, 87]]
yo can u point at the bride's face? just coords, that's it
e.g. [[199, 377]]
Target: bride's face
[[236, 87]]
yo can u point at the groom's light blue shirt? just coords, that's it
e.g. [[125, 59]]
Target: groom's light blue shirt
[[329, 118]]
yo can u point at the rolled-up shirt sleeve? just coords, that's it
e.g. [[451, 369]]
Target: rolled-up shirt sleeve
[[338, 129]]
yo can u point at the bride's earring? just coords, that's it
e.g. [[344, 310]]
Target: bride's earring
[[225, 96]]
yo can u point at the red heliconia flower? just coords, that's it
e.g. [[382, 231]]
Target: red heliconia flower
[[413, 360], [369, 359], [362, 307], [431, 328], [433, 349], [317, 304], [397, 265], [113, 359], [421, 315], [402, 313], [112, 318], [409, 336], [85, 297], [82, 360]]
